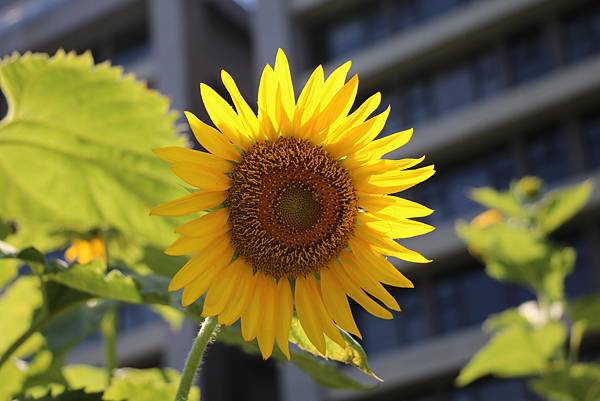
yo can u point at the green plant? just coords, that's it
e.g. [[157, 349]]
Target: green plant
[[540, 339]]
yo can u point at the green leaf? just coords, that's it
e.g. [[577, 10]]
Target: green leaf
[[326, 373], [562, 204], [353, 354], [72, 395], [505, 319], [587, 311], [75, 147], [93, 279], [502, 201], [145, 385], [12, 376], [515, 352], [88, 378], [17, 306], [578, 383]]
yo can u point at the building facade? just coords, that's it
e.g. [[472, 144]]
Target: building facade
[[495, 89]]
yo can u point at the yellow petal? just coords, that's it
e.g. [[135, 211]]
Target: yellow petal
[[199, 285], [385, 206], [221, 291], [224, 117], [308, 99], [356, 293], [215, 250], [339, 106], [252, 315], [394, 181], [267, 326], [211, 139], [336, 302], [378, 265], [357, 117], [284, 79], [366, 281], [334, 83], [186, 245], [309, 319], [211, 224], [355, 138], [388, 246], [237, 305], [193, 203], [175, 154], [267, 109], [379, 148], [285, 309], [247, 116], [395, 228], [200, 177]]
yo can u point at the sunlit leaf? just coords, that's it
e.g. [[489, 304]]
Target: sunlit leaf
[[515, 352], [353, 354], [326, 373], [587, 311], [580, 382], [89, 378], [12, 376], [562, 204], [71, 395], [502, 201], [75, 147], [505, 319], [145, 385]]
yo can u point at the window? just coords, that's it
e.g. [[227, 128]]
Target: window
[[430, 8], [408, 327], [529, 55], [404, 14], [486, 73], [357, 31], [452, 88], [581, 33], [591, 138], [416, 104], [582, 280], [545, 153]]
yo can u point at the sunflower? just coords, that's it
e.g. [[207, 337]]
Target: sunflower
[[296, 215], [83, 251]]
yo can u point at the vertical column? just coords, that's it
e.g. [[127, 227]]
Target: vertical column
[[271, 29], [169, 37]]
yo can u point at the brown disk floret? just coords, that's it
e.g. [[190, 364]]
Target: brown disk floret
[[292, 207]]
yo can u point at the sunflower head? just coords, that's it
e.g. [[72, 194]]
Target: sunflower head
[[293, 208]]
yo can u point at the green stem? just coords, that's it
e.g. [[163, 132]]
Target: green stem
[[109, 332], [37, 326], [208, 329]]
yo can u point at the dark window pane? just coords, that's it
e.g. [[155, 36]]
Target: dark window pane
[[582, 280], [429, 8], [591, 137], [546, 155], [416, 104], [355, 32], [486, 73], [530, 56], [405, 14], [452, 89], [581, 33]]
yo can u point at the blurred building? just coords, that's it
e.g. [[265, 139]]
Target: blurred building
[[495, 89]]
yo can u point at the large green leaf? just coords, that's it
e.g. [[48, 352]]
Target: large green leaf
[[352, 354], [73, 395], [580, 382], [560, 205], [326, 373], [505, 319], [145, 385], [17, 307], [505, 202], [75, 146], [515, 352], [12, 376], [587, 311], [94, 279]]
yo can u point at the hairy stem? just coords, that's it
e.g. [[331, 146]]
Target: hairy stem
[[208, 329]]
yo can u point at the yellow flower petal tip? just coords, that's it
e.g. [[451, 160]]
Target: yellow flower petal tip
[[305, 170]]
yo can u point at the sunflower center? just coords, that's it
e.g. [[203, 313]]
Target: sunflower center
[[292, 207], [298, 207]]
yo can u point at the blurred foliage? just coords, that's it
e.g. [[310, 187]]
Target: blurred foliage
[[75, 151], [540, 339]]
